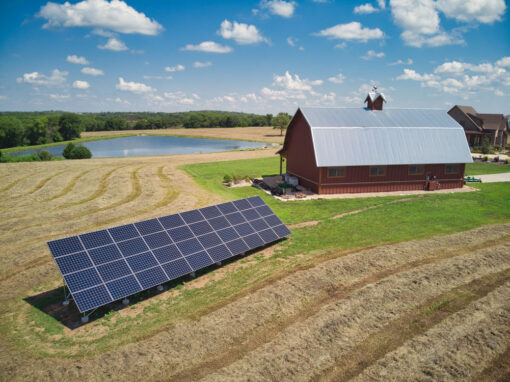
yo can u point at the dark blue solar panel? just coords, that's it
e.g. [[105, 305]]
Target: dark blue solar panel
[[219, 253], [227, 208], [210, 212], [259, 224], [281, 231], [132, 247], [200, 228], [268, 235], [235, 218], [151, 277], [228, 234], [82, 279], [219, 223], [96, 239], [253, 241], [256, 201], [106, 265], [104, 254], [73, 263], [114, 270], [237, 246], [142, 261], [123, 287], [199, 260], [166, 254], [172, 221], [177, 268], [264, 210], [157, 240], [149, 226], [273, 220], [209, 240], [192, 216], [181, 233], [242, 204], [250, 214], [244, 229], [65, 246], [187, 247], [123, 232], [92, 298]]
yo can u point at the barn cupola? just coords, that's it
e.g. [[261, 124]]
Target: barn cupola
[[375, 99]]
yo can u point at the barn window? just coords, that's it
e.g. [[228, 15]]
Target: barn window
[[415, 170], [452, 168], [336, 172], [378, 171]]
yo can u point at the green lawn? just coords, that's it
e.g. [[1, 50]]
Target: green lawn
[[485, 168]]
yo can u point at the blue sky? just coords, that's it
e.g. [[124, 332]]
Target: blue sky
[[253, 56]]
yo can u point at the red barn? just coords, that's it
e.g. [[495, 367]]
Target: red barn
[[347, 150]]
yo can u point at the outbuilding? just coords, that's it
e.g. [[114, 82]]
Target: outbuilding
[[348, 150]]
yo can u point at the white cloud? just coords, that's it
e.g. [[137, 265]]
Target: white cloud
[[92, 71], [291, 41], [401, 62], [74, 59], [279, 7], [146, 77], [484, 11], [2, 97], [81, 84], [381, 3], [134, 87], [338, 79], [179, 98], [209, 47], [115, 15], [198, 64], [123, 101], [410, 74], [456, 67], [241, 33], [59, 97], [505, 62], [292, 87], [373, 54], [352, 31], [57, 78], [365, 9], [289, 82], [177, 68], [113, 44]]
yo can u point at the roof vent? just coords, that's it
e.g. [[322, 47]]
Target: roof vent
[[375, 99]]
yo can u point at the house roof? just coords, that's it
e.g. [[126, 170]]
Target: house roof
[[363, 137], [493, 121]]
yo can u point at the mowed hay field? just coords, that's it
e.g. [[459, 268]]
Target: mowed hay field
[[388, 288]]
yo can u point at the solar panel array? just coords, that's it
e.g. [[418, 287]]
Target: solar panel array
[[104, 266]]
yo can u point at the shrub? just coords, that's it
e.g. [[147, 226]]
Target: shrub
[[68, 150], [227, 178], [45, 155], [496, 159], [486, 145], [81, 152], [485, 158]]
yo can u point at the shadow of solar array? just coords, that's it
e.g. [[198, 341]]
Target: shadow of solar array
[[108, 265]]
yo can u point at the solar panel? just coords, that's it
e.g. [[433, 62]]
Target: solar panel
[[108, 265]]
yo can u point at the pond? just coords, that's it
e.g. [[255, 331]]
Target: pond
[[153, 145]]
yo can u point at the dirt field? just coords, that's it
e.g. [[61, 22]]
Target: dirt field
[[433, 309], [263, 134]]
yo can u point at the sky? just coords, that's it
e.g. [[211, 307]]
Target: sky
[[253, 56]]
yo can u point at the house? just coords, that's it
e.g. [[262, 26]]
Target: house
[[477, 126], [348, 150]]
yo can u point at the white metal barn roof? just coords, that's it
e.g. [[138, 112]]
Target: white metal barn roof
[[362, 137]]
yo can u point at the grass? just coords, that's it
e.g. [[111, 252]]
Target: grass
[[420, 217], [25, 158], [78, 140], [485, 168]]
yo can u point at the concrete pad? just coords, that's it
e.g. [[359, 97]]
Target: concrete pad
[[493, 178]]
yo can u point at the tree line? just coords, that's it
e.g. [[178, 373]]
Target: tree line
[[38, 128]]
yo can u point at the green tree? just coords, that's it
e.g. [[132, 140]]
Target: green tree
[[486, 145], [81, 152], [12, 133], [281, 121], [68, 151], [36, 132], [69, 126], [269, 118], [45, 155]]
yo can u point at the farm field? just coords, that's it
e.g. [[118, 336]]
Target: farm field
[[262, 134], [386, 287]]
